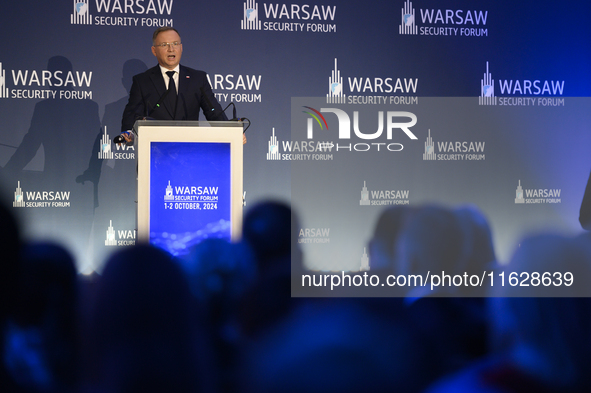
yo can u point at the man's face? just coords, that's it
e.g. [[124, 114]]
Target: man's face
[[168, 56]]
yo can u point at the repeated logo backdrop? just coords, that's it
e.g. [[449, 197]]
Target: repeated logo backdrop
[[521, 136]]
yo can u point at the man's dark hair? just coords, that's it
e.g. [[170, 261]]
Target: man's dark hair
[[162, 29]]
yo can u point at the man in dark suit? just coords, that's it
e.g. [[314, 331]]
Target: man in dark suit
[[169, 91]]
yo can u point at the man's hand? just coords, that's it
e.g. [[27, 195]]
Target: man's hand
[[128, 137], [244, 139]]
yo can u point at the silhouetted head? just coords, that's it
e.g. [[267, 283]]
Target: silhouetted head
[[385, 235], [271, 229]]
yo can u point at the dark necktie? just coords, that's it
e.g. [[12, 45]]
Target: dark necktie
[[172, 95]]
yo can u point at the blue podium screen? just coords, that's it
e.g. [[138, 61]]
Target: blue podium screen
[[189, 194]]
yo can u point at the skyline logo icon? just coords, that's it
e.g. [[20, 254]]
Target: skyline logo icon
[[3, 88], [110, 240], [335, 87], [19, 200], [81, 13], [519, 194], [487, 89], [364, 201], [105, 152], [429, 153], [251, 16], [407, 25], [169, 196], [273, 152]]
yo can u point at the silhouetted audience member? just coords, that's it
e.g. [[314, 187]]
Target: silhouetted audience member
[[453, 328], [267, 229], [538, 344], [220, 273], [479, 253], [41, 350], [334, 345], [144, 335], [270, 229], [10, 244], [382, 245]]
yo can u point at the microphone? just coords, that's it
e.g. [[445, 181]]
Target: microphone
[[210, 108], [160, 101], [121, 139]]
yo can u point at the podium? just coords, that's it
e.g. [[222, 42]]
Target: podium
[[190, 183]]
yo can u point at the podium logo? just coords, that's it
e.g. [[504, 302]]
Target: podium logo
[[519, 92], [537, 196], [453, 150], [138, 13], [370, 91], [384, 197], [437, 22], [120, 237], [40, 198], [289, 18], [168, 195], [190, 193]]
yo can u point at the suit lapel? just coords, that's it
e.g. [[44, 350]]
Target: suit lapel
[[160, 86], [183, 93]]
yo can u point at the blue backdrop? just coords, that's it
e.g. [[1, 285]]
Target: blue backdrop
[[66, 68]]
